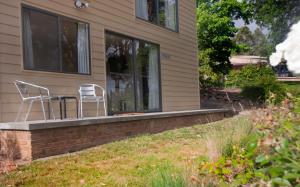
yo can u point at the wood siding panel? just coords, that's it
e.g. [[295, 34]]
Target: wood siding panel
[[179, 75]]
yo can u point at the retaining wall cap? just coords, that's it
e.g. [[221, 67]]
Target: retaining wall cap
[[38, 125]]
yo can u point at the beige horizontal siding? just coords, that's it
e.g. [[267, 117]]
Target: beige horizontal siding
[[179, 73]]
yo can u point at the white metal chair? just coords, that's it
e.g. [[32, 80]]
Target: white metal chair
[[88, 93], [31, 93]]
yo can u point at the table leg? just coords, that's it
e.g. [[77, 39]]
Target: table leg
[[49, 111], [60, 108], [65, 108], [77, 107]]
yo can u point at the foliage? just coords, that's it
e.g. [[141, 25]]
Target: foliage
[[262, 46], [238, 166], [248, 74], [245, 40], [215, 30], [279, 163], [258, 84], [207, 77], [254, 43], [269, 156], [267, 89], [276, 15]]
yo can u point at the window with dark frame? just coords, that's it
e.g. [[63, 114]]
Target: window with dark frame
[[54, 43], [133, 75], [160, 12]]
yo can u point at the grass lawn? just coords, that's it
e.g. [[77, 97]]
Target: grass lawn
[[293, 87], [136, 161]]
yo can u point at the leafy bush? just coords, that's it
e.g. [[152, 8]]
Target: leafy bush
[[264, 90], [249, 74], [207, 77], [269, 156], [258, 84]]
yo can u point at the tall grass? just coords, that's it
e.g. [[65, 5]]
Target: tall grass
[[167, 175], [219, 141]]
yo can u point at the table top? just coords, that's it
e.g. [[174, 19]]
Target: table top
[[63, 97]]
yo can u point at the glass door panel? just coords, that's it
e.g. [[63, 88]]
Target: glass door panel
[[147, 77], [133, 77], [120, 79]]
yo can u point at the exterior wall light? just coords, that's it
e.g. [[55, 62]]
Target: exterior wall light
[[79, 4]]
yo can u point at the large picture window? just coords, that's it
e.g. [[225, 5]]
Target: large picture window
[[133, 75], [55, 43], [160, 12]]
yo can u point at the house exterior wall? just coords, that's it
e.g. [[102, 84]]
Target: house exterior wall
[[178, 52]]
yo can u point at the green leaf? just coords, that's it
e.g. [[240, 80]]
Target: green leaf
[[276, 171], [261, 159], [291, 176], [280, 182]]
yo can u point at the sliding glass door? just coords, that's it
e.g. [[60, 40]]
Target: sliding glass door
[[147, 76], [133, 77], [120, 79]]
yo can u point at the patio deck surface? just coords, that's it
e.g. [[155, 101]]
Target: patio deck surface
[[42, 124]]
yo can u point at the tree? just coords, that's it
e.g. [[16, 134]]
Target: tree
[[245, 40], [276, 15], [216, 29], [262, 46], [252, 43]]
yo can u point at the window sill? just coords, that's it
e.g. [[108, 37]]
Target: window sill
[[143, 21], [56, 74]]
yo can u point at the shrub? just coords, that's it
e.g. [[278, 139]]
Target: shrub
[[248, 74], [207, 77], [267, 89], [269, 156], [258, 84]]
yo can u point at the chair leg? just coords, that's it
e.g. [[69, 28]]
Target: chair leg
[[43, 108], [105, 110], [19, 111], [29, 109], [81, 109], [97, 108], [51, 108]]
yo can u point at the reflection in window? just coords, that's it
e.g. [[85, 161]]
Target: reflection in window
[[147, 79], [161, 12], [132, 75], [55, 43], [119, 64]]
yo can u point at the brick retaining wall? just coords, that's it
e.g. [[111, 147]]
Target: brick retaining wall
[[40, 143]]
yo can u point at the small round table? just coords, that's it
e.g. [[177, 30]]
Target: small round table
[[62, 101]]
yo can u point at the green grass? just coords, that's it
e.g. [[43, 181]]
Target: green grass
[[293, 88], [159, 160]]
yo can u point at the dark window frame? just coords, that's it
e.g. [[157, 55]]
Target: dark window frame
[[59, 33], [134, 70], [157, 23]]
